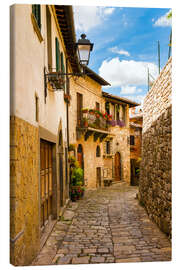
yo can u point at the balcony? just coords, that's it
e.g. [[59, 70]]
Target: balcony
[[93, 122], [54, 79]]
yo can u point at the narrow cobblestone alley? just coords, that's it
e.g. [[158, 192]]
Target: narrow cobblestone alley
[[108, 225]]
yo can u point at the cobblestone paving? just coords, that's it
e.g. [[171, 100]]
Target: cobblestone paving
[[106, 226]]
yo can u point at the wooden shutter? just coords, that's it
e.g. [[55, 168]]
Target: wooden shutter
[[39, 15], [36, 10], [62, 63], [57, 55], [49, 45]]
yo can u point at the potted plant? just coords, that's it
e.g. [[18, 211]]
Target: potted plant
[[67, 98], [85, 110], [91, 111], [71, 147], [85, 122], [76, 188]]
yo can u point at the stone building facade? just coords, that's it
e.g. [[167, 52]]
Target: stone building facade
[[155, 174], [38, 125], [103, 150], [135, 125]]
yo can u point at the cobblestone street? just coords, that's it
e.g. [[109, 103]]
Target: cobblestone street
[[108, 225]]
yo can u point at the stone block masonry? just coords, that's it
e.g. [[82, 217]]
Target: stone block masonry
[[24, 186], [155, 173]]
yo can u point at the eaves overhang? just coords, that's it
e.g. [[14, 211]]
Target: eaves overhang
[[89, 72], [65, 20], [117, 99]]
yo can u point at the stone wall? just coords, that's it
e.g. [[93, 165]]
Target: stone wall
[[24, 197], [155, 173]]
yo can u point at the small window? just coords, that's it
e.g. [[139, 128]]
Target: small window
[[107, 107], [97, 106], [132, 141], [108, 149], [36, 10], [98, 151], [57, 54], [37, 108]]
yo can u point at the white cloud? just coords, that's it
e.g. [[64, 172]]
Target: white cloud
[[125, 73], [139, 99], [163, 20], [116, 50], [109, 11], [87, 17], [130, 90]]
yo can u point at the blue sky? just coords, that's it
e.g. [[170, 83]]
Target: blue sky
[[125, 45]]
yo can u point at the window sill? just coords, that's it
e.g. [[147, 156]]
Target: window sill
[[36, 27], [107, 155]]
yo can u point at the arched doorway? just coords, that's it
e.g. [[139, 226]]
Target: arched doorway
[[117, 166]]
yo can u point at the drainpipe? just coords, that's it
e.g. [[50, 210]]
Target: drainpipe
[[67, 119]]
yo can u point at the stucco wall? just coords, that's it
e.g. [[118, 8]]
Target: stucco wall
[[155, 173], [27, 66]]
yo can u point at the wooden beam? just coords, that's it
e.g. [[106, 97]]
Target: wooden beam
[[96, 136], [88, 134], [102, 137]]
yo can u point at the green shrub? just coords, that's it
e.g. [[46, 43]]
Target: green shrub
[[77, 176]]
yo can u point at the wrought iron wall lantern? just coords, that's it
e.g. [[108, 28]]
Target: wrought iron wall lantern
[[57, 78]]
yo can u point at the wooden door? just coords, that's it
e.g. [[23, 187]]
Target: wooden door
[[98, 177], [46, 181], [117, 167]]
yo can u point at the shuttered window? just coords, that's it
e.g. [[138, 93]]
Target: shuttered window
[[36, 10], [49, 41], [57, 55]]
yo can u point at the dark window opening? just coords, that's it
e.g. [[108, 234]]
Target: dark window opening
[[107, 109], [37, 108], [97, 106], [98, 151], [36, 10], [132, 141], [108, 147]]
